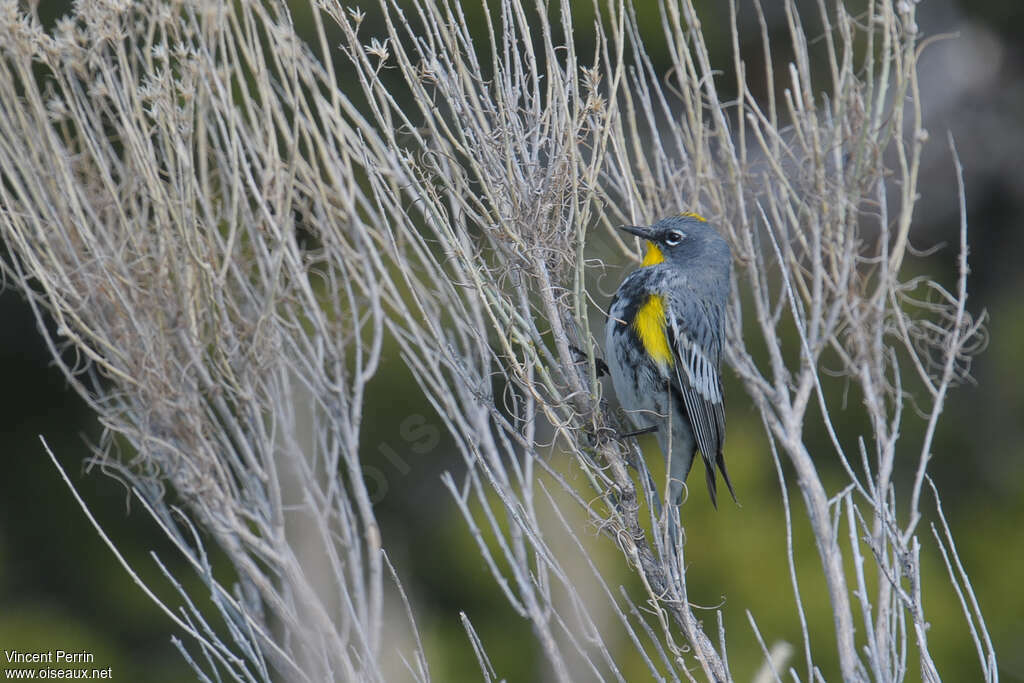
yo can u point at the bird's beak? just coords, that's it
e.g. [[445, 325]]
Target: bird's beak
[[639, 231]]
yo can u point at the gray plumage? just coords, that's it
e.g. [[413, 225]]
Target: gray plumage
[[673, 383]]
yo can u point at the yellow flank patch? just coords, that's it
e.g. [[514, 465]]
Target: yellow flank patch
[[653, 255], [649, 324], [691, 214]]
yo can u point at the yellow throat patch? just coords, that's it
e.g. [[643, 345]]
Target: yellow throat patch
[[649, 324], [653, 256]]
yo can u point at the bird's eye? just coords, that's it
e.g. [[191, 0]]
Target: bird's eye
[[673, 238]]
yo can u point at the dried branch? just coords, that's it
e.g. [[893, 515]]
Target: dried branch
[[227, 226]]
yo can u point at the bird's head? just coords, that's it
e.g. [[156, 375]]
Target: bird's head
[[682, 238]]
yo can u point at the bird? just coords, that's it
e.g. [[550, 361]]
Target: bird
[[663, 345]]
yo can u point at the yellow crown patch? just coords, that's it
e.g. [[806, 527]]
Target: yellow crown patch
[[691, 214]]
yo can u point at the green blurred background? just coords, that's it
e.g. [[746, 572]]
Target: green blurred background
[[61, 587]]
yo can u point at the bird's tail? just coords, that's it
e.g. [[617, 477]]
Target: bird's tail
[[710, 476], [720, 459]]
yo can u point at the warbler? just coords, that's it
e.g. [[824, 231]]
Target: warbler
[[663, 344]]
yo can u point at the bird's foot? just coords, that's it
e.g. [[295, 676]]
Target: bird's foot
[[639, 432], [599, 364]]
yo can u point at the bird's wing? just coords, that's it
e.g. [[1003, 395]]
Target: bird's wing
[[696, 376]]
